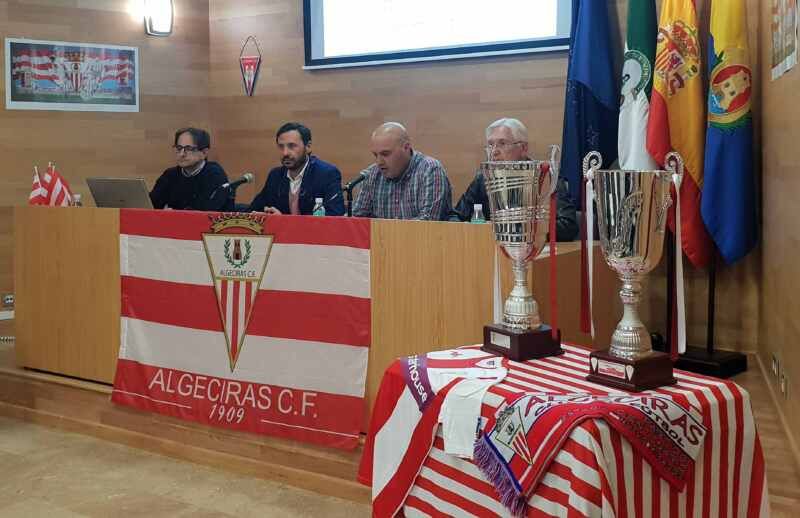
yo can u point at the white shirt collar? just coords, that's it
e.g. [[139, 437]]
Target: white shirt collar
[[294, 183], [195, 171]]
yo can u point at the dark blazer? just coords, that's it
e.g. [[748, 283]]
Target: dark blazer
[[321, 180]]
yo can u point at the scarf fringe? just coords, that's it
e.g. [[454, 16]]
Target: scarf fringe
[[493, 469]]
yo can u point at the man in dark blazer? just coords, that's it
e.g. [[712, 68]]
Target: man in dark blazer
[[292, 187]]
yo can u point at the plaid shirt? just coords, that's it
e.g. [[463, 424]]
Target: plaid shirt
[[421, 192]]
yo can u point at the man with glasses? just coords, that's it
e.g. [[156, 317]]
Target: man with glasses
[[507, 140], [194, 184]]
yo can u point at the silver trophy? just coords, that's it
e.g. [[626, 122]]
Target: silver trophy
[[631, 217], [519, 198]]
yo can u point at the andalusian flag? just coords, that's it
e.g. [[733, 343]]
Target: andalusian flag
[[729, 206], [637, 83], [678, 119]]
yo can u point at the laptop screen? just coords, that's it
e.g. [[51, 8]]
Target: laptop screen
[[120, 193]]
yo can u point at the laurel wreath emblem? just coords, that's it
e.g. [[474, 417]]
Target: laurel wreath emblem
[[248, 248]]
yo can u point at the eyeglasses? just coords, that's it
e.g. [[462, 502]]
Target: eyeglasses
[[502, 145], [186, 149]]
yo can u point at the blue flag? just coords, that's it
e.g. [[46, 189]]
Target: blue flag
[[728, 202], [591, 106]]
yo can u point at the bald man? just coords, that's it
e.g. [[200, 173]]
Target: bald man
[[402, 183]]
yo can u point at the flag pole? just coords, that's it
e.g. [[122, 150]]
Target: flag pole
[[709, 360], [712, 298], [668, 334]]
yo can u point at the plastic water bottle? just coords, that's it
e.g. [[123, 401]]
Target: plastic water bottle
[[319, 208], [477, 214], [76, 200]]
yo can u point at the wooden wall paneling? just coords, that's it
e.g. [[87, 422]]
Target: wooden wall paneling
[[6, 264], [446, 105], [431, 289], [173, 93], [779, 329], [68, 290], [6, 251]]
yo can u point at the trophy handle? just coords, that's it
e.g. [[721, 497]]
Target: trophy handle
[[673, 163], [591, 162], [555, 163]]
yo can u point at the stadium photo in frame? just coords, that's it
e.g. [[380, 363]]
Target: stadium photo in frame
[[57, 75]]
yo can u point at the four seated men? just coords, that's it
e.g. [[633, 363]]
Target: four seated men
[[402, 183]]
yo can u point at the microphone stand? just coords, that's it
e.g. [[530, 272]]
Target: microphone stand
[[348, 199], [231, 192], [214, 193]]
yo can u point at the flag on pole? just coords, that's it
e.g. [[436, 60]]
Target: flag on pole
[[728, 202], [591, 108], [38, 194], [50, 189], [591, 112], [637, 83], [677, 117]]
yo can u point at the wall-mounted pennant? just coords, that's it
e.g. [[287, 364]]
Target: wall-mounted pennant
[[250, 63]]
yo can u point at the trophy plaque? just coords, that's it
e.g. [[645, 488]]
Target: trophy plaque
[[519, 198], [631, 217]]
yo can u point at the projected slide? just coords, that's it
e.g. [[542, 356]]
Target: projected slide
[[388, 30], [371, 26]]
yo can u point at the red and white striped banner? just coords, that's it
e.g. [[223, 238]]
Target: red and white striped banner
[[207, 337], [596, 472], [43, 65]]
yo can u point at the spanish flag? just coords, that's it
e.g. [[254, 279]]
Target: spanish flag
[[677, 117], [729, 204]]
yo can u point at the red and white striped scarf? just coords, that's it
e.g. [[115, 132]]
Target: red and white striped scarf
[[665, 433]]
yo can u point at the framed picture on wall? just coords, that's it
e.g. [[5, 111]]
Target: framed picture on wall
[[58, 75]]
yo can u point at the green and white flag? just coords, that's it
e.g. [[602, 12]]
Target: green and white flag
[[637, 83]]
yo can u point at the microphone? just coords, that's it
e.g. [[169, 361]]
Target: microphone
[[246, 178], [355, 181]]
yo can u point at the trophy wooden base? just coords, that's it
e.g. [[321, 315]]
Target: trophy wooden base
[[521, 345], [651, 371]]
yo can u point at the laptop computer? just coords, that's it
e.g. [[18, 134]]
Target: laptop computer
[[120, 193]]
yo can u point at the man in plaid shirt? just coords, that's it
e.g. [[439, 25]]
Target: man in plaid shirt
[[402, 183]]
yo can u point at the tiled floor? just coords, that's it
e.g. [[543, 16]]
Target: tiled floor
[[53, 474]]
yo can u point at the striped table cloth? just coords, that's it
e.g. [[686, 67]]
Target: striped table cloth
[[597, 473]]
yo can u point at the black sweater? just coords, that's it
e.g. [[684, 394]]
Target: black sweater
[[174, 190]]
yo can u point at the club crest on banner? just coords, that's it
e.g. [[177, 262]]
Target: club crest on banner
[[677, 57], [237, 251], [511, 432]]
